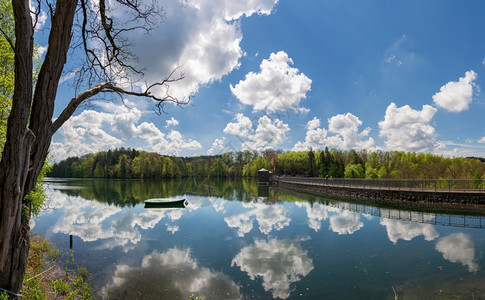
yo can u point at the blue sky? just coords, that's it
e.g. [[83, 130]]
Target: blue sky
[[290, 75]]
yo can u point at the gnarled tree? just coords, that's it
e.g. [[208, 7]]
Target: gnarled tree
[[86, 27]]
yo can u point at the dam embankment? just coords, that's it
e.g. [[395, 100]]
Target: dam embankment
[[419, 192]]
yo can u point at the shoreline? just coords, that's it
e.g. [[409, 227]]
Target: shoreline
[[45, 278]]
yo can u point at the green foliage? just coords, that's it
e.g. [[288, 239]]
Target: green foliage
[[337, 166], [293, 163], [251, 169], [37, 197], [478, 180], [3, 295], [325, 161], [126, 163], [33, 287], [75, 284], [354, 171], [382, 173], [54, 254], [371, 172], [7, 74], [6, 67], [312, 168]]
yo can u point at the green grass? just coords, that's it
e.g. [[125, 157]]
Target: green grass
[[45, 278]]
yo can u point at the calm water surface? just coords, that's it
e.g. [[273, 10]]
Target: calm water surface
[[235, 242]]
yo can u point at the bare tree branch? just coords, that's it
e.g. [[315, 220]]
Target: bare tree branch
[[108, 87], [36, 14], [9, 40], [104, 41]]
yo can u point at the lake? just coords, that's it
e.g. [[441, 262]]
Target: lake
[[235, 241]]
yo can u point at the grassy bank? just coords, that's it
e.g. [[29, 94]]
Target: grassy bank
[[49, 278]]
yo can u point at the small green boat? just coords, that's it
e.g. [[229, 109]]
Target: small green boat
[[165, 202]]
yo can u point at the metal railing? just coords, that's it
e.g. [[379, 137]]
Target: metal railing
[[411, 216], [438, 185]]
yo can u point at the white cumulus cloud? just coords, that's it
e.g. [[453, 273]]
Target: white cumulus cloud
[[347, 126], [242, 127], [268, 133], [277, 87], [456, 96], [82, 134], [235, 9], [124, 120], [201, 38], [171, 123], [407, 129], [315, 138], [345, 130], [88, 132], [217, 146]]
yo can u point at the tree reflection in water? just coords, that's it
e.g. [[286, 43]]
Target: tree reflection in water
[[230, 243]]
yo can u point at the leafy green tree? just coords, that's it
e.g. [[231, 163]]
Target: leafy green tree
[[271, 157], [218, 168], [354, 171], [478, 180], [137, 167], [200, 167], [371, 172], [251, 169], [382, 172], [123, 164], [311, 163], [170, 169], [6, 67], [293, 163], [325, 162], [37, 197], [337, 165]]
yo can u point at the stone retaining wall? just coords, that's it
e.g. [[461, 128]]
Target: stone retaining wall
[[443, 197]]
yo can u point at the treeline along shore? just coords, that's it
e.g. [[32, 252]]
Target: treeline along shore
[[130, 163]]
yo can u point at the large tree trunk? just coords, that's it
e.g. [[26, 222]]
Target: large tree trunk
[[14, 229], [46, 87], [30, 127], [26, 149]]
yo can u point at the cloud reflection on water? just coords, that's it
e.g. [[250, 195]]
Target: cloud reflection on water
[[92, 221], [173, 274], [278, 262], [346, 222], [316, 213], [407, 231], [269, 218], [458, 247]]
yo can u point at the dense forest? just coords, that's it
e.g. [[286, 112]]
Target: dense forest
[[130, 163]]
